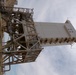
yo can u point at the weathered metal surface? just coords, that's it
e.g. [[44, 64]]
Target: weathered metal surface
[[24, 44], [1, 60], [9, 3]]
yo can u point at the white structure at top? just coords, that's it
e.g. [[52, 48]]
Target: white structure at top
[[55, 33]]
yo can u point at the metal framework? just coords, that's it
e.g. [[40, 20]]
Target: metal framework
[[24, 44]]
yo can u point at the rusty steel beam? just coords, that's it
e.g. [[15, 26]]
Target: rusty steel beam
[[24, 44]]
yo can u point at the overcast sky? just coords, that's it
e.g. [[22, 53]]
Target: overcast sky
[[53, 60]]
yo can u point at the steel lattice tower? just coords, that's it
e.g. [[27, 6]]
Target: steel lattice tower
[[26, 36], [23, 45]]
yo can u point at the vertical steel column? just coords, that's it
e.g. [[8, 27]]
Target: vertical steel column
[[1, 62]]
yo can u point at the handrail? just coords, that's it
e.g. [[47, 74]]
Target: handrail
[[16, 9]]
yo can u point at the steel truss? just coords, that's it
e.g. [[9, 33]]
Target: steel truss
[[24, 44]]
